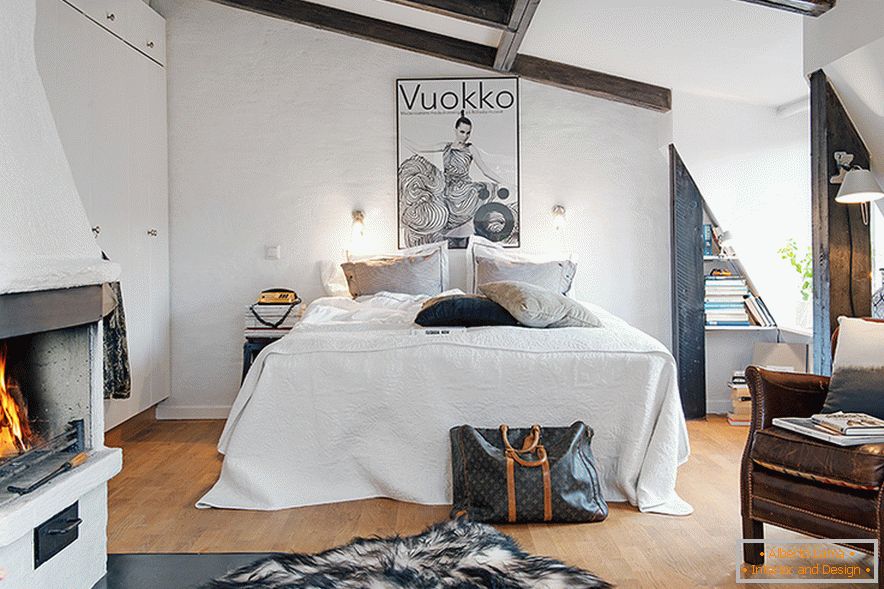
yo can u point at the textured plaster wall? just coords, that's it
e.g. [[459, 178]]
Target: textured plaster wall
[[278, 131]]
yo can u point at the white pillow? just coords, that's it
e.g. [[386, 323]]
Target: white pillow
[[522, 266], [334, 283], [418, 250]]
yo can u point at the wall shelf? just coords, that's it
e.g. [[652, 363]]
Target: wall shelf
[[740, 328]]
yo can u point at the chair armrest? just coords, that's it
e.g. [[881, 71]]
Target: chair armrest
[[784, 394]]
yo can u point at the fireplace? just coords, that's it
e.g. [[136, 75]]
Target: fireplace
[[54, 466], [45, 417]]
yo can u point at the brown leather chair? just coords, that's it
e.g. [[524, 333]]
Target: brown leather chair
[[802, 484]]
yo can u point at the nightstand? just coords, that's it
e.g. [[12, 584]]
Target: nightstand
[[250, 350]]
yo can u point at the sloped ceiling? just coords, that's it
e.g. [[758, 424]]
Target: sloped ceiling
[[858, 78], [724, 48]]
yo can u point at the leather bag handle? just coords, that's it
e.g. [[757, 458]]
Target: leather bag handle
[[531, 444], [532, 441]]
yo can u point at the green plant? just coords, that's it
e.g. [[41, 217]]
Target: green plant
[[803, 265]]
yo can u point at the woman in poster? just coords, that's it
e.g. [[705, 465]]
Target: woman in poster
[[443, 204]]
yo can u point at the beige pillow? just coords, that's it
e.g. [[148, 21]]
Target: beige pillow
[[554, 275], [478, 247], [533, 306], [418, 275]]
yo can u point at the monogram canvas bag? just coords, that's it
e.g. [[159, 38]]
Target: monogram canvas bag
[[525, 475]]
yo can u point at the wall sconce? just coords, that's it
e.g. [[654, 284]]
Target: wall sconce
[[357, 231], [858, 186], [558, 214]]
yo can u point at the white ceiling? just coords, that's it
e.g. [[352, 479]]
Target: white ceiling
[[725, 48]]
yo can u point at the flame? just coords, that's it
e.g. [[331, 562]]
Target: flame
[[15, 432]]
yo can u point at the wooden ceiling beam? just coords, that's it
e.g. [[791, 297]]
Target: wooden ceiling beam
[[370, 29], [533, 68], [805, 7], [594, 83], [489, 13], [511, 39]]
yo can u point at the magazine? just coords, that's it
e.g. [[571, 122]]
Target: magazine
[[806, 426], [850, 424]]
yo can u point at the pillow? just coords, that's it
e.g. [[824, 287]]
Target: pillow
[[416, 275], [334, 283], [463, 310], [479, 248], [418, 250], [533, 306], [857, 383], [555, 276]]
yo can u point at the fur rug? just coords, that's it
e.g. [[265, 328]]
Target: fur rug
[[455, 554]]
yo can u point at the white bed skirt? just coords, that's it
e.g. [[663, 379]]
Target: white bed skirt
[[327, 417]]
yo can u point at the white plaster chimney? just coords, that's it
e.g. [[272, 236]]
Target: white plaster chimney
[[45, 238]]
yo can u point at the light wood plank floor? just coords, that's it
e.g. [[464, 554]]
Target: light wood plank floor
[[168, 466]]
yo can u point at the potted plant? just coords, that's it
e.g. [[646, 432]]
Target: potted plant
[[803, 264]]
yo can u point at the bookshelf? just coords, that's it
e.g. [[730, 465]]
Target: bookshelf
[[728, 347]]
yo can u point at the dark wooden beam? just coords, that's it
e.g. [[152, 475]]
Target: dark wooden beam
[[370, 29], [539, 70], [806, 7], [593, 83], [688, 318], [490, 13], [842, 250], [511, 39]]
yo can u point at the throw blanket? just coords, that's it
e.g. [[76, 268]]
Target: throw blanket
[[356, 403]]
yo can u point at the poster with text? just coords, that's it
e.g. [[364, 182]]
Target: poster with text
[[458, 160]]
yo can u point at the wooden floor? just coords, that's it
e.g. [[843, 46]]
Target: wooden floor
[[169, 465]]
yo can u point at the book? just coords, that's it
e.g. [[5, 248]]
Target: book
[[707, 240], [806, 426], [850, 424], [755, 313], [738, 420], [765, 311]]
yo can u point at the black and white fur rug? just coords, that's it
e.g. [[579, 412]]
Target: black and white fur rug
[[455, 554]]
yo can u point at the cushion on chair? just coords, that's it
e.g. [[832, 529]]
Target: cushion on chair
[[858, 369], [856, 467]]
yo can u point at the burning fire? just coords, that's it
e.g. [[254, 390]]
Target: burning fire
[[15, 431]]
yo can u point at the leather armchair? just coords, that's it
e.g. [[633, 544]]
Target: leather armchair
[[799, 483]]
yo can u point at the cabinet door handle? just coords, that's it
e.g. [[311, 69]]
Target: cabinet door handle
[[150, 44], [152, 232], [111, 16], [96, 231]]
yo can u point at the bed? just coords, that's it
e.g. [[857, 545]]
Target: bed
[[357, 401]]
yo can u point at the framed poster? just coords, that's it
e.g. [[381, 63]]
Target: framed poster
[[458, 160]]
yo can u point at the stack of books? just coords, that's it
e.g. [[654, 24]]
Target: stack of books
[[724, 302], [270, 321], [741, 400], [843, 429]]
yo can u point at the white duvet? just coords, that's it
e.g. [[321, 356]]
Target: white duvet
[[356, 402]]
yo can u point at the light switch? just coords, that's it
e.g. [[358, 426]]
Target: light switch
[[271, 252]]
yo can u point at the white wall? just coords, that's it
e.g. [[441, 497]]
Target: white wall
[[753, 168], [278, 131]]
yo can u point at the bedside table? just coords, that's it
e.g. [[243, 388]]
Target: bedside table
[[250, 350], [264, 325]]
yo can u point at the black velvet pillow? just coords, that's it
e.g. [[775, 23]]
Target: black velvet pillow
[[463, 311]]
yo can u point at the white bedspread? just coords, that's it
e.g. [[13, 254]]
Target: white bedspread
[[356, 403]]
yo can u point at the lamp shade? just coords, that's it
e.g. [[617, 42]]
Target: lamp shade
[[859, 186]]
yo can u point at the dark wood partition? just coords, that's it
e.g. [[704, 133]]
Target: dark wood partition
[[842, 249], [688, 331]]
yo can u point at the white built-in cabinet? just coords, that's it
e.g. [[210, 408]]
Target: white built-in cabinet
[[102, 64]]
